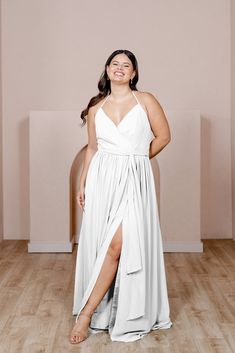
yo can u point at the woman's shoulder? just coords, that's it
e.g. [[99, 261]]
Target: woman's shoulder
[[145, 95], [147, 99], [94, 108]]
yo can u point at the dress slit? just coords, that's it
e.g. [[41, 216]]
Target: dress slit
[[98, 266]]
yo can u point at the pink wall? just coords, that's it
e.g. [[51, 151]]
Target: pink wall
[[53, 53], [1, 198], [233, 108]]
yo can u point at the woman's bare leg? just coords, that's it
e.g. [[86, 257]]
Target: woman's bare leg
[[104, 281]]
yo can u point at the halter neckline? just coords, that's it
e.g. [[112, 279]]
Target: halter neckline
[[109, 96], [117, 125]]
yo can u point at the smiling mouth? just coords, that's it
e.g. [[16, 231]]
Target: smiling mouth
[[119, 74]]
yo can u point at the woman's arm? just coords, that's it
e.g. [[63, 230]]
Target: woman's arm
[[159, 124], [92, 145]]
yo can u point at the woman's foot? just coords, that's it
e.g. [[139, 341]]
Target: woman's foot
[[80, 330]]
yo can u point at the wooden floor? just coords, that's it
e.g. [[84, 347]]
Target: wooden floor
[[36, 295]]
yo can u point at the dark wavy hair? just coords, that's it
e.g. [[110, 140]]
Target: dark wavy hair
[[104, 82]]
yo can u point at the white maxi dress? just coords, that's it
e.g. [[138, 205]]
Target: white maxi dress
[[120, 188]]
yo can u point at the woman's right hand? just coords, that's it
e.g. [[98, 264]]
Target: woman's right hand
[[81, 198]]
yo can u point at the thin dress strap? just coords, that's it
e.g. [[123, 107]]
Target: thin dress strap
[[109, 95], [135, 97], [104, 101]]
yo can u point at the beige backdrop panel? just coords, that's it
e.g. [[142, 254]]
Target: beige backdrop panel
[[56, 148]]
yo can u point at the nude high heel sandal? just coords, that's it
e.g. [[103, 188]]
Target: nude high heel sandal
[[78, 334]]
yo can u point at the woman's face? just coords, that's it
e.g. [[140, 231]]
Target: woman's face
[[120, 69]]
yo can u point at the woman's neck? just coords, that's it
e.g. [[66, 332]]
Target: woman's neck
[[119, 92]]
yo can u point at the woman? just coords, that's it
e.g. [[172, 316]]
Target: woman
[[120, 283]]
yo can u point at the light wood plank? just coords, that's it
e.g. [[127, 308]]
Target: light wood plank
[[36, 297]]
